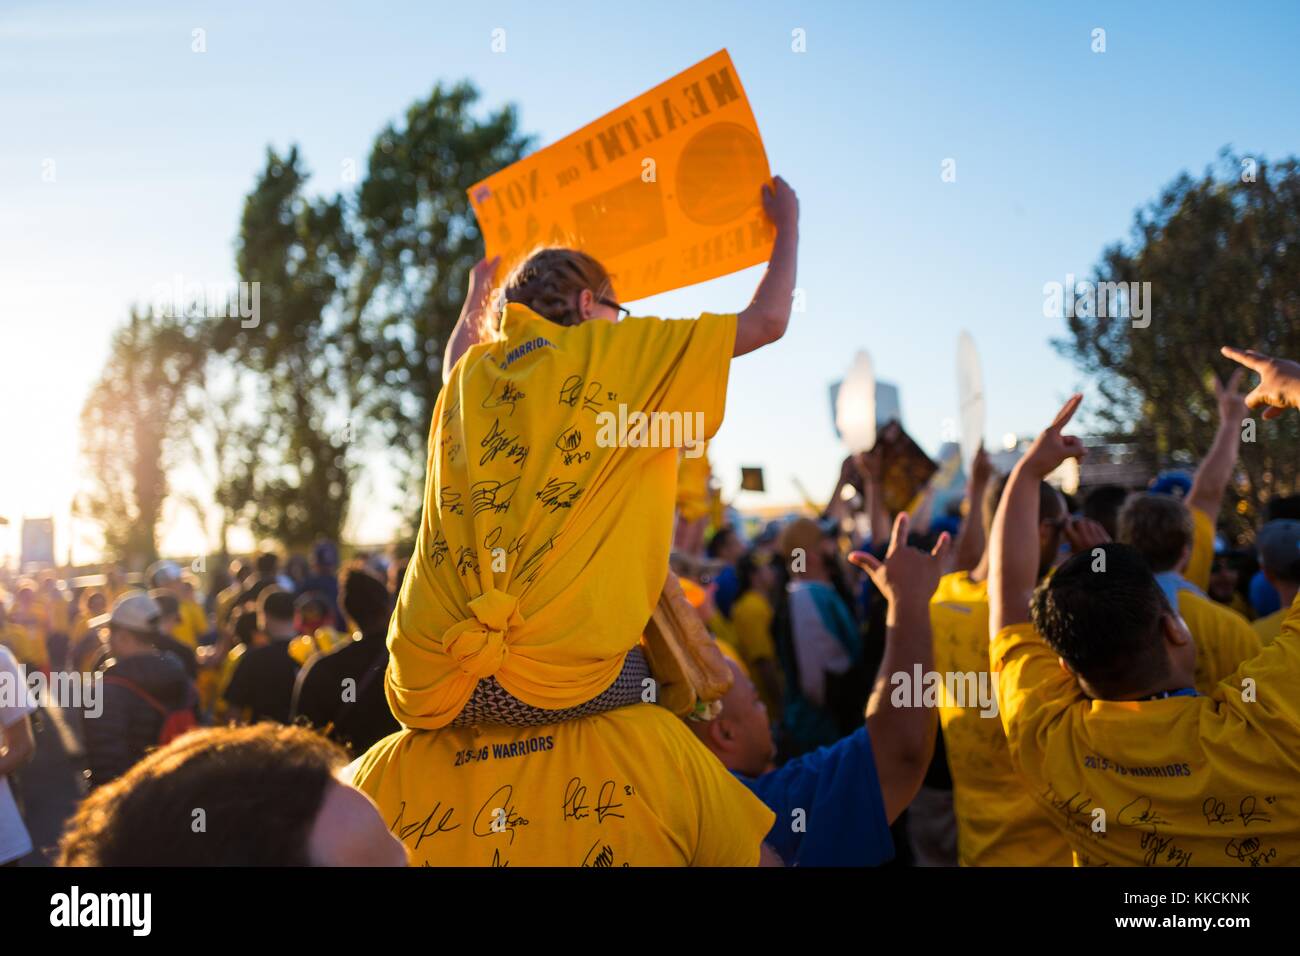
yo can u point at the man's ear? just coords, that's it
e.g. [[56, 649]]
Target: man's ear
[[1173, 630], [585, 301]]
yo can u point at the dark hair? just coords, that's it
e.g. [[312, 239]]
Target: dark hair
[[274, 605], [168, 604], [245, 626], [550, 279], [1100, 612], [747, 567], [259, 787], [1050, 503], [1103, 503], [268, 563], [718, 540], [363, 597], [312, 600], [1279, 508], [1158, 526]]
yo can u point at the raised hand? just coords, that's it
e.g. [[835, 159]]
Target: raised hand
[[1051, 447], [981, 468], [781, 204], [1232, 404], [1279, 381], [1084, 534], [907, 574]]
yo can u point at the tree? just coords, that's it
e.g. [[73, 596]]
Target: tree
[[130, 428], [1222, 256], [294, 478], [417, 239]]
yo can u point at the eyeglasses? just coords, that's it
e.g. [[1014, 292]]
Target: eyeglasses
[[611, 304]]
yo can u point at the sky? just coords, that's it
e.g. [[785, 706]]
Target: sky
[[125, 157]]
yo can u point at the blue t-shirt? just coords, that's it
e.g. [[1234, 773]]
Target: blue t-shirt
[[843, 821]]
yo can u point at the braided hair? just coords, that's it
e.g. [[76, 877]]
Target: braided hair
[[549, 281]]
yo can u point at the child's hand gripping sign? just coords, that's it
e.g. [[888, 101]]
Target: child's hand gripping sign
[[664, 190]]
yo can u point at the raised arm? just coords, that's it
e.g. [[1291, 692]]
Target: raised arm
[[902, 738], [1215, 472], [1279, 381], [767, 315], [471, 328], [1013, 540], [971, 539]]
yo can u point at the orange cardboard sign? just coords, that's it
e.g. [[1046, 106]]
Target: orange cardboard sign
[[664, 191]]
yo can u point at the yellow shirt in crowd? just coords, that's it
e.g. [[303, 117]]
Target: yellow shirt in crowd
[[1223, 638], [26, 645], [1181, 781], [1201, 561], [1269, 628], [321, 641], [631, 787], [998, 821], [693, 487], [548, 511], [193, 623]]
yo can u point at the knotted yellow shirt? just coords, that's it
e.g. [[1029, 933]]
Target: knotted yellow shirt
[[548, 507]]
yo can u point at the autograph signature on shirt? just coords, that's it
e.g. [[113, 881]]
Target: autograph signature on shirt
[[1249, 850], [498, 815], [440, 549], [451, 500], [556, 494], [575, 806], [571, 392], [489, 495], [424, 828], [1138, 812], [508, 395], [499, 442]]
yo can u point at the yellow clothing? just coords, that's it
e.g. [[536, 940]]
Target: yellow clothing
[[226, 672], [324, 639], [193, 623], [548, 508], [27, 645], [1182, 781], [57, 617], [730, 653], [751, 620], [1269, 628], [998, 822], [631, 787], [1201, 560], [1223, 638], [693, 487], [751, 628]]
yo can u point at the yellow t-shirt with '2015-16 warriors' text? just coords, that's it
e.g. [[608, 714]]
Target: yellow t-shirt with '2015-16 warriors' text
[[630, 787], [998, 821], [1178, 781], [548, 510]]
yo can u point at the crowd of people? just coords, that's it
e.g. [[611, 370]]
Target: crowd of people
[[582, 663]]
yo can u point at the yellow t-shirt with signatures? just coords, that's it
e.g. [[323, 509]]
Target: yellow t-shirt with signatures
[[630, 787], [548, 510], [1180, 781]]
